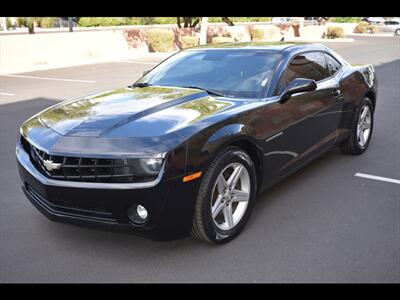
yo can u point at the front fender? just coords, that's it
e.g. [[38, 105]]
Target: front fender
[[203, 148], [227, 135]]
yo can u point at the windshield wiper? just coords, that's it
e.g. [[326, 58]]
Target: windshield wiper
[[140, 84], [211, 92]]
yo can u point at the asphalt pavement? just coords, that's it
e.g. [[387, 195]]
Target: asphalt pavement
[[322, 224]]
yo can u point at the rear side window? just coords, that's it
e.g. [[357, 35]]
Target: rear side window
[[311, 65], [333, 64]]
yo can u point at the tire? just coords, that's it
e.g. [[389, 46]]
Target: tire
[[397, 32], [218, 229], [353, 145]]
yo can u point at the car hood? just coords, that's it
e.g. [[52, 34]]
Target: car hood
[[132, 112]]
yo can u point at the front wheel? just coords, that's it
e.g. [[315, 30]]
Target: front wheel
[[226, 197], [397, 32]]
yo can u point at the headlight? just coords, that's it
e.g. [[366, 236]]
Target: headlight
[[151, 166], [146, 166]]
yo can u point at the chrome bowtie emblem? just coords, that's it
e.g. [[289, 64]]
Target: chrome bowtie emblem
[[50, 165]]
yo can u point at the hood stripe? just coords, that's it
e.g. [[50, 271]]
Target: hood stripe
[[157, 108]]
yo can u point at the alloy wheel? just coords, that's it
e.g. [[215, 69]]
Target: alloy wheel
[[364, 126], [230, 196]]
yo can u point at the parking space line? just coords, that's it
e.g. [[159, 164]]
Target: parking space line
[[7, 94], [380, 178], [50, 78], [137, 62]]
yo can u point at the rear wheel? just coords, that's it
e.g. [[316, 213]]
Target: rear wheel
[[226, 197], [361, 131], [397, 32]]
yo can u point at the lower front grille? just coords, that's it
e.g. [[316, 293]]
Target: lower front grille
[[73, 207]]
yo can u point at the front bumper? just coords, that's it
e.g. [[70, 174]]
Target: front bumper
[[170, 203]]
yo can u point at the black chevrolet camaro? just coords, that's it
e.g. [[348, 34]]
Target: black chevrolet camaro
[[186, 149]]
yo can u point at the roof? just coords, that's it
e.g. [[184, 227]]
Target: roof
[[250, 45], [287, 47]]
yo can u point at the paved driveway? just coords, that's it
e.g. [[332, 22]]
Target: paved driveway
[[322, 224]]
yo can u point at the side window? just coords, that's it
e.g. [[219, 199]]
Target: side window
[[333, 64], [311, 65]]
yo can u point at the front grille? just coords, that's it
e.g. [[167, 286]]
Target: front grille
[[93, 209], [84, 169]]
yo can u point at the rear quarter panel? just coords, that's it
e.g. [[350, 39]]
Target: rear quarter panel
[[356, 82]]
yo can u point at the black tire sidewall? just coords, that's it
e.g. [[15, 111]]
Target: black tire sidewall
[[214, 233]]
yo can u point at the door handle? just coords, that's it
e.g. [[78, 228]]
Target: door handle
[[336, 93]]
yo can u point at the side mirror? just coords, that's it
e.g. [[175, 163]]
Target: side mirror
[[298, 85], [145, 72]]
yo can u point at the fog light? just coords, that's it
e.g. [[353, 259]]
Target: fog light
[[137, 214], [142, 212]]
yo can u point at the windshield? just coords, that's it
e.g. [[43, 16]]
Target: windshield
[[242, 73]]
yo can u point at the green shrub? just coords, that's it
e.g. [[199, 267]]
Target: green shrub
[[135, 21], [21, 21], [147, 20], [364, 27], [87, 22], [345, 19], [165, 20], [361, 27], [334, 32], [240, 19], [102, 21], [222, 39], [116, 21], [8, 23], [38, 21], [155, 20], [47, 22], [189, 41], [44, 22], [214, 20], [160, 40], [257, 34], [259, 19]]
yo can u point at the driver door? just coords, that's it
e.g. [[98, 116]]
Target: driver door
[[307, 123]]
